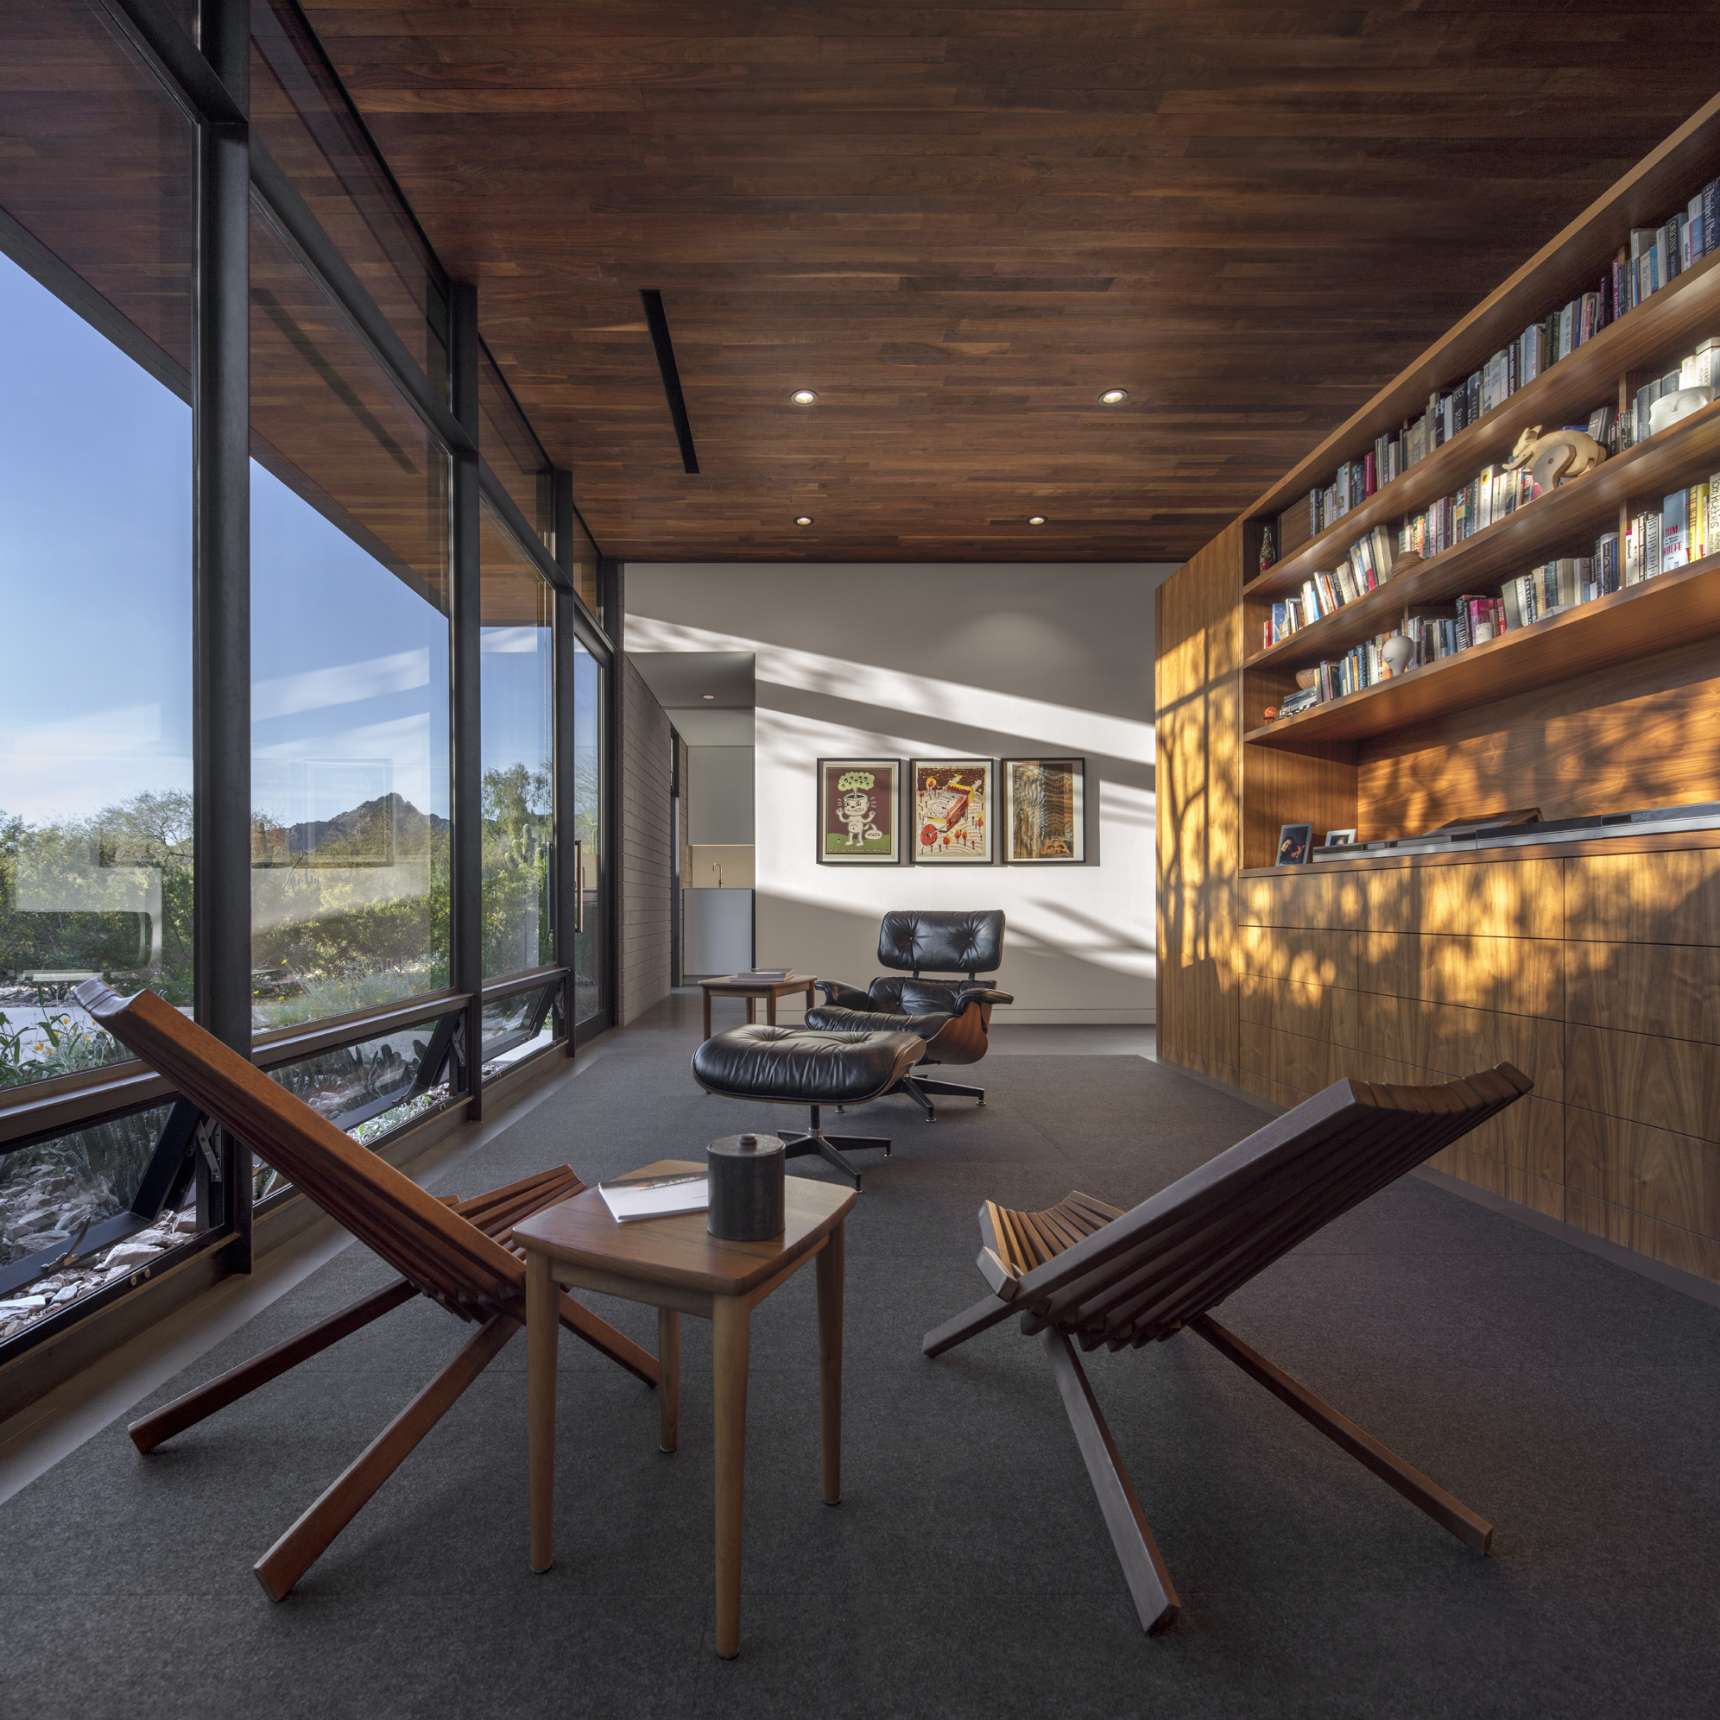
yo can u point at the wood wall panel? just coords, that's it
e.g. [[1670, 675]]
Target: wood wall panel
[[1308, 958], [1326, 1012], [1672, 1178], [1663, 898], [1199, 809], [1668, 1083], [1668, 989], [1683, 1249], [1521, 976], [1453, 1040], [1646, 733]]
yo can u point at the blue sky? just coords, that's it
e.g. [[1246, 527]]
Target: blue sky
[[349, 665]]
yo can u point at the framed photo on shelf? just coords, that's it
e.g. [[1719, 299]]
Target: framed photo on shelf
[[1293, 844], [1339, 839], [1045, 811], [950, 805], [859, 811]]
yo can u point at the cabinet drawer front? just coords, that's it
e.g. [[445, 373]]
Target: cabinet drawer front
[[1668, 1083], [1671, 1177], [1669, 989], [1451, 1039], [1519, 976], [1506, 899], [1669, 898], [1299, 897], [1684, 1249], [1314, 1011], [1308, 957], [1277, 1064]]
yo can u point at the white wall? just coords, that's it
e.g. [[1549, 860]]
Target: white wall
[[952, 659]]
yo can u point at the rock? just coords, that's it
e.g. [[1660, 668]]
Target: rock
[[134, 1251], [22, 1306]]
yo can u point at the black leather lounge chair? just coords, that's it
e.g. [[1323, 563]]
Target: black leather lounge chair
[[948, 1006]]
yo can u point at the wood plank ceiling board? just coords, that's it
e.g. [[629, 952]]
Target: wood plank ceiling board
[[958, 224]]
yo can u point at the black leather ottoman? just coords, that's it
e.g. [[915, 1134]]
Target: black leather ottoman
[[801, 1066]]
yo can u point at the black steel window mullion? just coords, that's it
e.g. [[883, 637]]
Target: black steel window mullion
[[566, 871], [609, 772], [466, 716], [519, 527], [221, 605]]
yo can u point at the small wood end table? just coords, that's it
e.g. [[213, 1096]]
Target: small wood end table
[[752, 987], [678, 1267]]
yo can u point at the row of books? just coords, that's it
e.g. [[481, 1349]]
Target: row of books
[[1685, 528], [1659, 255], [1492, 494], [1694, 370], [1655, 257]]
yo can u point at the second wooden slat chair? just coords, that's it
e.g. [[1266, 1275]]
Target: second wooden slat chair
[[1084, 1273]]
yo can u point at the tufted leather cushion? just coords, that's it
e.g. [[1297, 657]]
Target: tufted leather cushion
[[939, 941], [831, 1019], [804, 1066]]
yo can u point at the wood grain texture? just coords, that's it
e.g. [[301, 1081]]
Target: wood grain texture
[[1642, 733], [1198, 808], [1668, 1177], [1667, 989], [958, 224], [1668, 1083], [679, 1251], [1521, 976], [1668, 1243], [1670, 898]]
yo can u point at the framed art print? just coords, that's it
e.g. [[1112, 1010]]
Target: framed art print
[[1045, 811], [859, 811], [950, 807]]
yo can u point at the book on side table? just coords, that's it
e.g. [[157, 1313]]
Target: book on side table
[[633, 1198]]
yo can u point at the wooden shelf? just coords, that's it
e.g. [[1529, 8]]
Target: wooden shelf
[[1686, 453], [1655, 332], [1671, 609]]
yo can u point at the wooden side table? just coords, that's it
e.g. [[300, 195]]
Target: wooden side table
[[753, 988], [679, 1268]]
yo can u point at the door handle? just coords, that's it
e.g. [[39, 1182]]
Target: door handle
[[578, 887]]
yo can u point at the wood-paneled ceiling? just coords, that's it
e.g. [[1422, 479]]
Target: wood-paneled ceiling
[[958, 223]]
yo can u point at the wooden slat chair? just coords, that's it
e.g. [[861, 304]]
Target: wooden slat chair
[[449, 1250], [1082, 1273]]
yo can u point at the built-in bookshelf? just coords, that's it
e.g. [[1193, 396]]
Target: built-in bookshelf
[[1590, 962]]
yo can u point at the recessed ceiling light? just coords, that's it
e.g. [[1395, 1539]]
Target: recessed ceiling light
[[803, 519], [707, 695], [1036, 519], [1113, 397], [803, 397]]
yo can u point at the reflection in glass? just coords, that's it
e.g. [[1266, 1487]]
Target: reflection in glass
[[302, 118], [349, 574], [590, 990], [95, 534], [585, 567], [512, 451], [53, 1194], [516, 1028], [517, 718]]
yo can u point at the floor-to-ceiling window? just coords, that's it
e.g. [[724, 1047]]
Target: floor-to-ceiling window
[[96, 867], [589, 787], [517, 689], [124, 300], [349, 664]]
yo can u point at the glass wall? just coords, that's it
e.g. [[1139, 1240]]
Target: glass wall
[[513, 452], [517, 696], [589, 785], [336, 865], [349, 664], [95, 523]]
